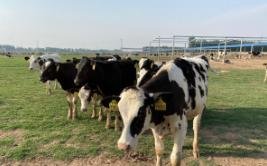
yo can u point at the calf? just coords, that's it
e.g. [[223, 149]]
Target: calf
[[37, 63], [64, 73], [176, 93], [106, 77]]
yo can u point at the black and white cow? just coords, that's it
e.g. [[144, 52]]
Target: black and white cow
[[147, 68], [176, 93], [86, 94], [37, 63], [64, 73], [107, 78]]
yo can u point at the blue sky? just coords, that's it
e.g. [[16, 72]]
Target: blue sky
[[97, 24]]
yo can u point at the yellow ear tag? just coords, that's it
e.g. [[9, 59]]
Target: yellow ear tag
[[160, 105], [113, 105]]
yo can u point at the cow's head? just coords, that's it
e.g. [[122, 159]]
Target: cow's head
[[85, 69], [135, 107], [50, 71], [34, 62], [85, 97]]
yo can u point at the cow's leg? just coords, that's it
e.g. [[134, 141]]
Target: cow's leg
[[117, 121], [159, 147], [74, 109], [265, 79], [94, 101], [55, 84], [69, 100], [108, 118], [48, 87], [100, 117], [196, 128], [179, 137]]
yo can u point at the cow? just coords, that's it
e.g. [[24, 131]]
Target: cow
[[175, 94], [254, 53], [37, 63], [147, 68], [64, 73], [107, 78], [86, 94]]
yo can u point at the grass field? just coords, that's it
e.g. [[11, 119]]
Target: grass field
[[35, 125]]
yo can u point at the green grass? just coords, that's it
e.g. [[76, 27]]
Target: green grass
[[234, 124]]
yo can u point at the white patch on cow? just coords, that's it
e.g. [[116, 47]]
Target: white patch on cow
[[84, 95], [47, 64], [141, 74], [112, 59], [157, 63]]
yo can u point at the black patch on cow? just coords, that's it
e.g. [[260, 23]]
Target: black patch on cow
[[201, 91], [200, 72], [189, 74], [175, 103], [150, 72], [147, 64], [138, 122]]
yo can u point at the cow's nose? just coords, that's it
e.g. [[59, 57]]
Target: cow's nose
[[123, 146]]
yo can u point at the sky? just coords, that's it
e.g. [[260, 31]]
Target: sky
[[101, 24]]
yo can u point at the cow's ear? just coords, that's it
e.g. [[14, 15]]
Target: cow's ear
[[26, 58], [109, 101]]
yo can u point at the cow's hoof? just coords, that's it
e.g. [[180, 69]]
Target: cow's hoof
[[196, 154], [93, 116], [100, 118], [107, 126]]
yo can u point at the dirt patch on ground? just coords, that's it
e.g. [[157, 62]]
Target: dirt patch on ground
[[240, 64], [102, 160], [238, 161], [113, 161], [16, 134]]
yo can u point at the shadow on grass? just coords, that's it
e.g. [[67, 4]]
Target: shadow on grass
[[238, 132]]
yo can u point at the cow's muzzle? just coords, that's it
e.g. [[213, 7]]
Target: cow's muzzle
[[123, 146]]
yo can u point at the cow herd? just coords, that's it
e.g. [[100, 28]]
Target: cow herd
[[143, 94]]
